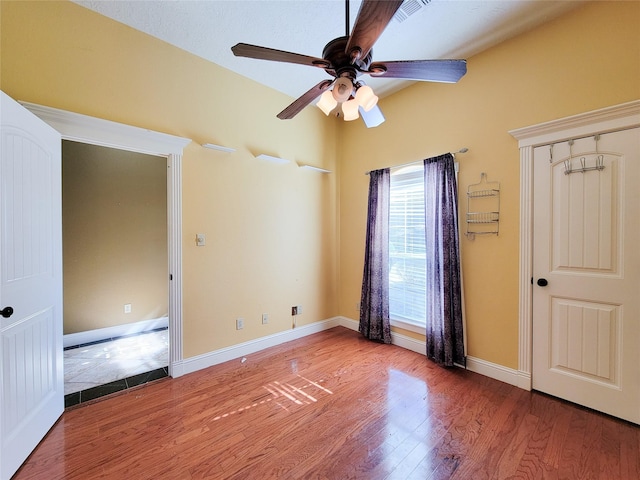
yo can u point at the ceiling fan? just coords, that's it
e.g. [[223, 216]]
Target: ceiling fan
[[346, 58]]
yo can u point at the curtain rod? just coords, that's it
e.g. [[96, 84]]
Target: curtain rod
[[462, 150]]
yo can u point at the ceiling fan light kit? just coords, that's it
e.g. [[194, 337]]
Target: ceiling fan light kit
[[342, 89], [343, 93], [366, 98], [327, 103], [346, 58], [350, 110]]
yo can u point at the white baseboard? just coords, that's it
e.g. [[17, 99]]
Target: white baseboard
[[349, 323], [193, 364], [396, 338], [477, 365], [80, 338], [498, 372]]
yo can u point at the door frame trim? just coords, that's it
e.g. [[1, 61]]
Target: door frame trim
[[605, 120], [106, 133]]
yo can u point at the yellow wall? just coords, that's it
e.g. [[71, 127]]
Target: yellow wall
[[271, 229], [274, 236], [114, 230], [584, 60]]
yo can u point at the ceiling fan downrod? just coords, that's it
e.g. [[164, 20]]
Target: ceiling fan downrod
[[346, 16]]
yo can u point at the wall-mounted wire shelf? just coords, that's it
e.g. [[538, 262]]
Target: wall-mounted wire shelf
[[483, 217], [483, 208], [483, 193]]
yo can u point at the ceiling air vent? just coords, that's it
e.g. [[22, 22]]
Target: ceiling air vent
[[408, 8]]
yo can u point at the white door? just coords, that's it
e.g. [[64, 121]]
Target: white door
[[586, 319], [31, 376]]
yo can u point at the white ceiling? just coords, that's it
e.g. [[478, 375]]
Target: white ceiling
[[440, 29]]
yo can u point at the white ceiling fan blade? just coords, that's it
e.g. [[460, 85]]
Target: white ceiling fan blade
[[373, 117]]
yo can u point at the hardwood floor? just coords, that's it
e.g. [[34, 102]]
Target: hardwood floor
[[334, 406]]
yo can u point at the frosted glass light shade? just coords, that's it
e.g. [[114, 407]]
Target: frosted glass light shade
[[366, 98], [350, 110], [327, 103], [342, 89]]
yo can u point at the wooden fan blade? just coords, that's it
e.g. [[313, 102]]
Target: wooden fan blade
[[448, 71], [373, 17], [264, 53], [306, 98]]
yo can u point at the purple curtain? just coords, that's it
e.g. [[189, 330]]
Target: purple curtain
[[445, 341], [374, 301]]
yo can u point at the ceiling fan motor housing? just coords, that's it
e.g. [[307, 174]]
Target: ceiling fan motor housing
[[342, 64]]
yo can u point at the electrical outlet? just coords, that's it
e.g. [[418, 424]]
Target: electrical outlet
[[294, 310], [201, 239], [127, 308], [239, 323], [265, 318], [299, 309]]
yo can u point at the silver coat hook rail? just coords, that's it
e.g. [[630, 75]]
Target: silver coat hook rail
[[599, 160], [599, 165], [568, 167]]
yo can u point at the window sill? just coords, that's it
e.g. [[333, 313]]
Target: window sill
[[412, 327]]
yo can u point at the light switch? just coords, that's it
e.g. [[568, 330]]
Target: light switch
[[201, 240]]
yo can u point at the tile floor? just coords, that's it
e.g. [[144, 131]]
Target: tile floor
[[97, 369]]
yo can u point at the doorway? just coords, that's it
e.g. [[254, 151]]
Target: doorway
[[96, 131], [114, 224]]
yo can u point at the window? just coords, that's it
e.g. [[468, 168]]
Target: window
[[407, 259]]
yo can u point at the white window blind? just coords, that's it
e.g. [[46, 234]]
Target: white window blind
[[407, 265]]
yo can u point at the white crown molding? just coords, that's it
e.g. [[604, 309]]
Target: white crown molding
[[608, 119], [97, 131]]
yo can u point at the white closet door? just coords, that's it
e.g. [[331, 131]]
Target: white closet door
[[32, 377], [586, 318]]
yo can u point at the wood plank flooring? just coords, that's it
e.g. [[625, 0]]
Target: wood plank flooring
[[334, 406]]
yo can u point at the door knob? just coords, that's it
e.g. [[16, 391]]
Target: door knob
[[6, 312], [542, 282]]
